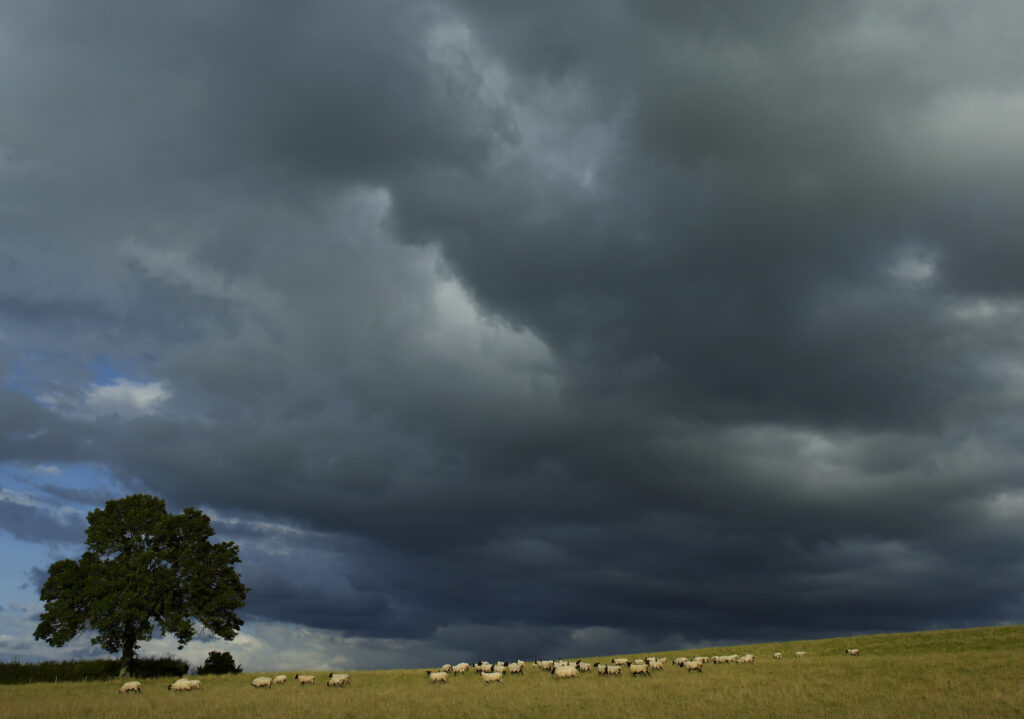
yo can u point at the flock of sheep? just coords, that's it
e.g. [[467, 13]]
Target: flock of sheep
[[493, 673]]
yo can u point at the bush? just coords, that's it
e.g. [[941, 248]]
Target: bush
[[88, 669], [219, 663]]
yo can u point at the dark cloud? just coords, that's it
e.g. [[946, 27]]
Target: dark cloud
[[566, 325]]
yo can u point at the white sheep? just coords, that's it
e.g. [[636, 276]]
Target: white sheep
[[657, 665], [260, 682], [460, 668], [180, 685], [491, 677], [564, 672], [702, 660], [337, 680], [615, 670], [438, 677], [800, 655], [128, 687], [746, 659], [446, 667], [777, 655], [620, 661], [692, 665], [304, 679], [280, 679], [678, 661], [638, 669], [516, 667], [482, 667], [853, 652], [583, 666]]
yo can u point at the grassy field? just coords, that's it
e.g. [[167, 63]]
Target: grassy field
[[956, 673]]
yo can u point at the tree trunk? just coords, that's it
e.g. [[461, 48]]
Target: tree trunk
[[127, 657]]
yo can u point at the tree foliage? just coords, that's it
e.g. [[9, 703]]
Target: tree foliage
[[219, 663], [144, 568]]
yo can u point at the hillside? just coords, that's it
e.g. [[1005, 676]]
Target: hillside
[[953, 673]]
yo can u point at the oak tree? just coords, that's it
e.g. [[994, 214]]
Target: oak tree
[[144, 568]]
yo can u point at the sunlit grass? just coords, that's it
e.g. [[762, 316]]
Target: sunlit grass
[[960, 673]]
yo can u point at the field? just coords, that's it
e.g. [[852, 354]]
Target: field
[[955, 673]]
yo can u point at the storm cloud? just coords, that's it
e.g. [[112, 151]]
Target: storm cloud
[[571, 327]]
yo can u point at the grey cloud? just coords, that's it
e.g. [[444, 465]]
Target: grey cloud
[[475, 301]]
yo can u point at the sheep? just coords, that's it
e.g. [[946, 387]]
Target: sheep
[[280, 679], [678, 661], [582, 666], [800, 655], [305, 679], [702, 660], [615, 670], [129, 687], [777, 655], [194, 684], [746, 659], [482, 667], [620, 661], [491, 677], [260, 682], [657, 665], [853, 652], [692, 665], [565, 672], [337, 680], [601, 668], [438, 677], [180, 685], [446, 667], [460, 668], [638, 669], [516, 667]]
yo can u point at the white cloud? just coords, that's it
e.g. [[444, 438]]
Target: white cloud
[[124, 397]]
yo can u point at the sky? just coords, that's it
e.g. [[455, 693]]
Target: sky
[[521, 330]]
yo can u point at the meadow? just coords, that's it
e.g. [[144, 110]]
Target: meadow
[[952, 673]]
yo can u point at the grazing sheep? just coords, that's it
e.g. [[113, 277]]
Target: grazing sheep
[[601, 668], [615, 670], [127, 687], [564, 672], [438, 677], [305, 679], [460, 668], [491, 677], [657, 665], [583, 666], [777, 655], [280, 679], [482, 667], [337, 680], [702, 660], [692, 665], [620, 661], [180, 685], [800, 655], [678, 661], [516, 667], [853, 652], [746, 659], [638, 669], [260, 682], [194, 684]]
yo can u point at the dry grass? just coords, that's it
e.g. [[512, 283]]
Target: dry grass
[[961, 673]]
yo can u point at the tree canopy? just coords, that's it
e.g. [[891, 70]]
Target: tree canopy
[[144, 568]]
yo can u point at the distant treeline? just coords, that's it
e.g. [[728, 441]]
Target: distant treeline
[[88, 669]]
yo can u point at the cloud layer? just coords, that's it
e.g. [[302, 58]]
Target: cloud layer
[[572, 328]]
